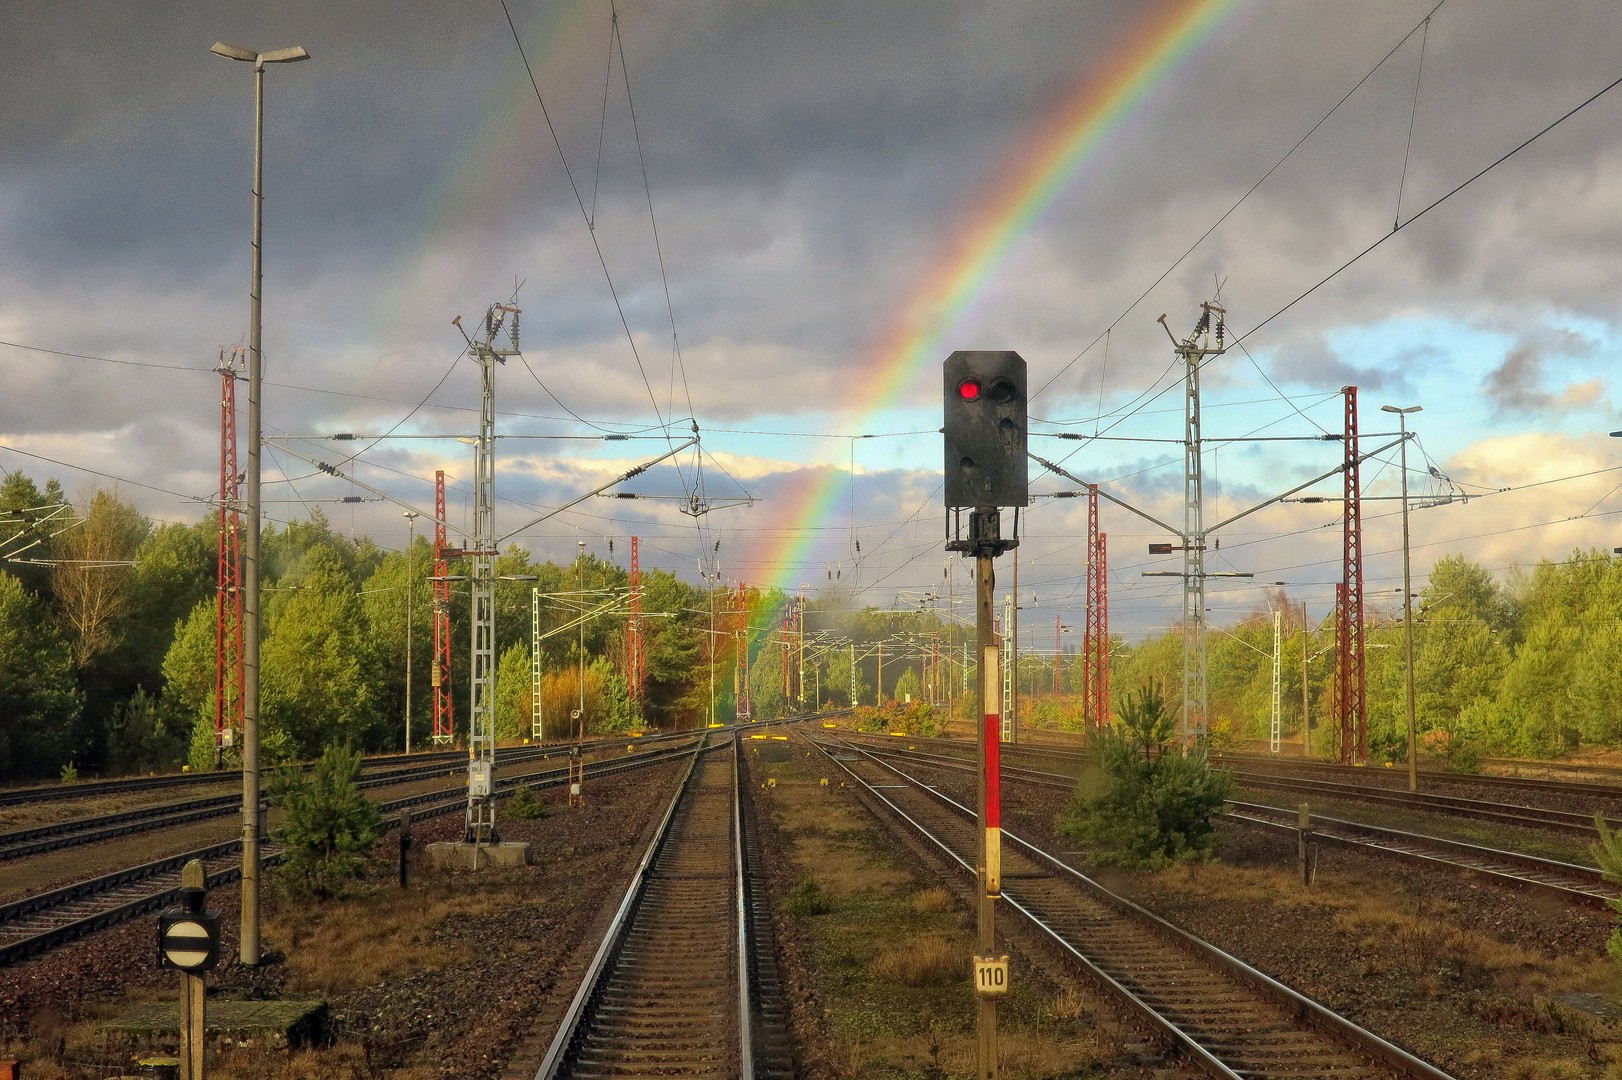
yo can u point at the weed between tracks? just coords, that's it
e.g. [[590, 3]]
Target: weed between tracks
[[1416, 968], [386, 934], [892, 954]]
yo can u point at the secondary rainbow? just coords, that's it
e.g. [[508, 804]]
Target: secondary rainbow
[[1036, 175]]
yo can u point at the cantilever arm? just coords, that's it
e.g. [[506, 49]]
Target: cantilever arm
[[644, 467], [333, 470], [1286, 494], [1051, 467]]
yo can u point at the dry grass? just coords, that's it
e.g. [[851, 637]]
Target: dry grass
[[1424, 937], [1025, 1056], [826, 832], [339, 945], [924, 961], [933, 901], [346, 1061]]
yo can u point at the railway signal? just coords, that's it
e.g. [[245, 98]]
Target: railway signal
[[985, 430], [189, 941], [984, 406]]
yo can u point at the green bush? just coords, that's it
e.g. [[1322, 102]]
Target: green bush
[[1158, 806], [523, 805], [327, 823], [1608, 853], [807, 898]]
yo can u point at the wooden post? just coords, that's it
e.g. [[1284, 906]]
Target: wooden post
[[193, 1047], [405, 843], [1303, 853]]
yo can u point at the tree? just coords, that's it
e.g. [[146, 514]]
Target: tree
[[514, 694], [21, 503], [383, 599], [95, 570], [320, 683], [1158, 805], [327, 823], [836, 688], [143, 737], [908, 687], [39, 700]]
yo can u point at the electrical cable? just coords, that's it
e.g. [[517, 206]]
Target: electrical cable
[[585, 216], [1434, 204], [104, 475], [1251, 190]]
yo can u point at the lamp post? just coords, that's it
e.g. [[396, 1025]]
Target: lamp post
[[1407, 598], [250, 547], [411, 541]]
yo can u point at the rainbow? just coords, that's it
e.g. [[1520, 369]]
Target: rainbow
[[1045, 164]]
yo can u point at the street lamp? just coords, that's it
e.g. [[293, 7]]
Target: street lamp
[[411, 542], [250, 548], [1407, 598]]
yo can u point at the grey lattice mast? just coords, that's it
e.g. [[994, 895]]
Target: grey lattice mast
[[481, 742], [1193, 350]]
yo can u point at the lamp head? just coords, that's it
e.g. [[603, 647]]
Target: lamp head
[[275, 56], [284, 56]]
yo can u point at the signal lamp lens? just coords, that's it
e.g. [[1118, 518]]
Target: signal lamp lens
[[969, 390]]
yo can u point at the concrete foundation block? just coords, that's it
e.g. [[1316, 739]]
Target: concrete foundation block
[[465, 856]]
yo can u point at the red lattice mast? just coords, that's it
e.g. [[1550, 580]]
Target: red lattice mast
[[228, 595], [1101, 650], [444, 719], [634, 633], [1095, 642], [1350, 673]]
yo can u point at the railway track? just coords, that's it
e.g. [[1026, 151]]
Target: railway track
[[1578, 884], [90, 830], [427, 764], [1397, 777], [1374, 792], [684, 982], [40, 922], [1229, 1019]]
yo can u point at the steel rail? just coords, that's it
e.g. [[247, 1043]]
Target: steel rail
[[1475, 809], [451, 800], [425, 761], [1535, 871], [563, 1039], [1299, 1005], [746, 1038], [1375, 792], [1373, 776], [1571, 881], [1179, 1038], [90, 830]]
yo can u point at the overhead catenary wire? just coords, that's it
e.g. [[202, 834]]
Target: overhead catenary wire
[[1241, 200], [1400, 226]]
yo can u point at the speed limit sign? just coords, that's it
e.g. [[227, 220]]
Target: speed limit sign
[[991, 974]]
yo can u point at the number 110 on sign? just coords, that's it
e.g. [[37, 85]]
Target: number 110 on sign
[[991, 974]]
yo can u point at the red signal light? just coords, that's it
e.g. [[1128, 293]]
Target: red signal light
[[969, 389]]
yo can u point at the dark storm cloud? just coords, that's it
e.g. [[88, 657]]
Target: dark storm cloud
[[1316, 365], [811, 165], [1516, 385]]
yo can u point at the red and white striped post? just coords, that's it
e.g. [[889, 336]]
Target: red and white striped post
[[990, 969]]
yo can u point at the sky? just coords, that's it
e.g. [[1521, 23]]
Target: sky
[[811, 170]]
